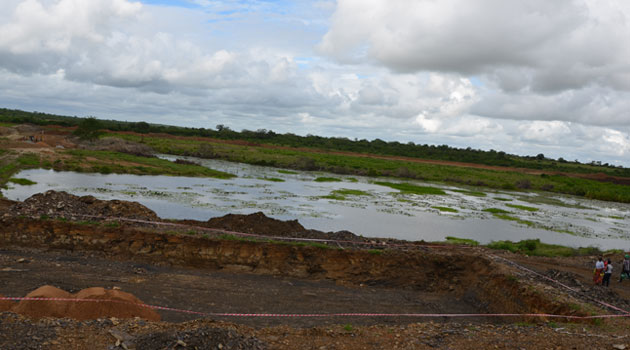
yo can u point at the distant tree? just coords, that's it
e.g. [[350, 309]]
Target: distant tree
[[540, 156], [142, 127], [89, 129]]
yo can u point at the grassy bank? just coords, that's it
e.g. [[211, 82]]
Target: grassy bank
[[103, 162], [358, 165]]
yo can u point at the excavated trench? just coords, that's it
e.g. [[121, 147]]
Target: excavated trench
[[454, 280]]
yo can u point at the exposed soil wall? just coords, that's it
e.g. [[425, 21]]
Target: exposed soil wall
[[465, 274]]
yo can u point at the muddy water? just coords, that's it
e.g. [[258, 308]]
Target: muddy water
[[380, 212]]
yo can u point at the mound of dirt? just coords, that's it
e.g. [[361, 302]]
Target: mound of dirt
[[259, 223], [123, 307], [55, 204], [118, 145], [38, 308], [6, 305]]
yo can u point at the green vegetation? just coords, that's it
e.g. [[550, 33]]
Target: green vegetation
[[377, 146], [360, 165], [496, 211], [410, 188], [522, 207], [535, 247], [272, 179], [327, 179], [471, 193], [341, 194], [23, 182], [348, 327], [503, 199], [311, 154], [376, 251], [446, 209], [89, 129], [520, 221], [122, 163], [461, 241]]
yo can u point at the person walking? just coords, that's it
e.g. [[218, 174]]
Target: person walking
[[599, 269], [607, 273], [625, 268]]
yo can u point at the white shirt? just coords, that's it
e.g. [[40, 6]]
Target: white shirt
[[599, 265], [609, 268]]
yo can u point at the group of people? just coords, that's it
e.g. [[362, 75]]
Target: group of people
[[603, 271]]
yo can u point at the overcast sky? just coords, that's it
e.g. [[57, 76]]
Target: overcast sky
[[521, 76]]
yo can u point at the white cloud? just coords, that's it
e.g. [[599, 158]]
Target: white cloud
[[545, 72]]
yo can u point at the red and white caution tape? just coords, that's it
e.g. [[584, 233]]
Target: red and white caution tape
[[313, 315]]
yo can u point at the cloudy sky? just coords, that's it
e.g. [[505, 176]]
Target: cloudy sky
[[522, 76]]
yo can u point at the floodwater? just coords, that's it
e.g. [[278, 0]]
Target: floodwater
[[378, 211]]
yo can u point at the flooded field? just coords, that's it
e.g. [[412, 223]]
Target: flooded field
[[332, 202]]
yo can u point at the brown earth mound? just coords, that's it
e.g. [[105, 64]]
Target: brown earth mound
[[259, 223], [55, 204], [6, 305], [124, 307], [38, 309]]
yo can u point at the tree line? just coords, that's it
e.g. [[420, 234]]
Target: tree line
[[377, 146]]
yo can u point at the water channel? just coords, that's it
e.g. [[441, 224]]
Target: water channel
[[375, 211]]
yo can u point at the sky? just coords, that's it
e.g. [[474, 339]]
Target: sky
[[520, 76]]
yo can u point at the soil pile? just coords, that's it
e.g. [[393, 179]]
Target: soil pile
[[259, 223], [125, 305], [118, 145], [6, 305], [39, 309], [55, 204], [122, 305]]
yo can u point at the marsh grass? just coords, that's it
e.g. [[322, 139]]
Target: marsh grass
[[537, 248], [522, 207], [327, 179], [23, 182], [462, 241], [471, 193], [446, 209], [360, 165], [503, 199], [343, 193], [410, 188], [121, 163], [496, 211], [272, 179]]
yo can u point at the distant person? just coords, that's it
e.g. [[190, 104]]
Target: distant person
[[607, 273], [599, 269], [625, 268]]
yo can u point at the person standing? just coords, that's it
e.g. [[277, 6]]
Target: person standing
[[607, 273], [599, 268], [625, 268]]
